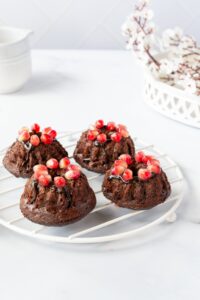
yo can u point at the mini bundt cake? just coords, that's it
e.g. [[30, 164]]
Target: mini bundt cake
[[32, 148], [136, 185], [101, 145], [57, 194]]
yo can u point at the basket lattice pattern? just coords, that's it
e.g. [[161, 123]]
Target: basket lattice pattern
[[172, 102]]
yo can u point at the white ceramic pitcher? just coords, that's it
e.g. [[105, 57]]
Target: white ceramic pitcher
[[15, 59]]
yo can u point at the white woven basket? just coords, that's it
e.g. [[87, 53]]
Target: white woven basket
[[172, 102]]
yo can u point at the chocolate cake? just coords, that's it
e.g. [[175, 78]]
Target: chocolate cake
[[57, 194], [101, 145], [139, 185], [32, 148]]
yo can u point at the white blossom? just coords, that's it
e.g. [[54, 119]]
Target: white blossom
[[187, 83]]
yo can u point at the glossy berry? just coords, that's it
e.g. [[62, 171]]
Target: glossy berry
[[153, 162], [127, 158], [34, 140], [154, 169], [92, 135], [72, 174], [44, 180], [64, 163], [46, 130], [128, 175], [101, 138], [139, 157], [52, 163], [111, 126], [118, 170], [46, 139], [74, 167], [121, 163], [24, 136], [124, 133], [144, 174], [23, 129], [39, 168], [116, 137], [147, 159], [99, 124], [59, 181], [35, 127], [53, 133]]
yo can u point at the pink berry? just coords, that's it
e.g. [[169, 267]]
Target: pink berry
[[127, 158], [139, 157], [46, 139], [147, 158], [39, 168], [116, 137], [153, 162], [124, 133], [111, 126], [44, 180], [59, 181], [52, 163], [72, 174], [24, 136], [154, 169], [92, 134], [121, 163], [101, 138], [35, 127], [74, 167], [144, 174], [53, 134], [121, 127], [23, 129], [118, 170], [128, 175], [34, 140], [99, 124], [46, 130], [64, 163]]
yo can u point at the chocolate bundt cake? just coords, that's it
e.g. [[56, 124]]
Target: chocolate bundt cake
[[139, 185], [57, 194], [32, 148], [101, 145]]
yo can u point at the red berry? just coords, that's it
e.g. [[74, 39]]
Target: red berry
[[72, 174], [144, 174], [121, 127], [23, 129], [139, 157], [59, 181], [101, 138], [124, 133], [24, 136], [92, 134], [34, 140], [53, 134], [35, 127], [116, 137], [118, 170], [64, 163], [153, 162], [147, 158], [46, 130], [99, 124], [74, 167], [39, 168], [128, 175], [52, 163], [46, 139], [154, 169], [44, 180], [111, 126], [121, 163], [127, 158]]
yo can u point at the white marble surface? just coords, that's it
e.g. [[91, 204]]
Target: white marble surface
[[68, 90]]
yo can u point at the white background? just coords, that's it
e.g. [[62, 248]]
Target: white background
[[91, 24]]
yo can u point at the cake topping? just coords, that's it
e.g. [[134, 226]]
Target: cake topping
[[151, 163], [121, 169], [55, 168], [127, 175], [105, 132], [34, 136], [127, 158]]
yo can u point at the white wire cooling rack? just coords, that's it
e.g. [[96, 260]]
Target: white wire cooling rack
[[106, 222]]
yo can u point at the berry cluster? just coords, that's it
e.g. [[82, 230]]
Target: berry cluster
[[103, 132], [152, 166], [41, 172], [121, 167], [35, 137]]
